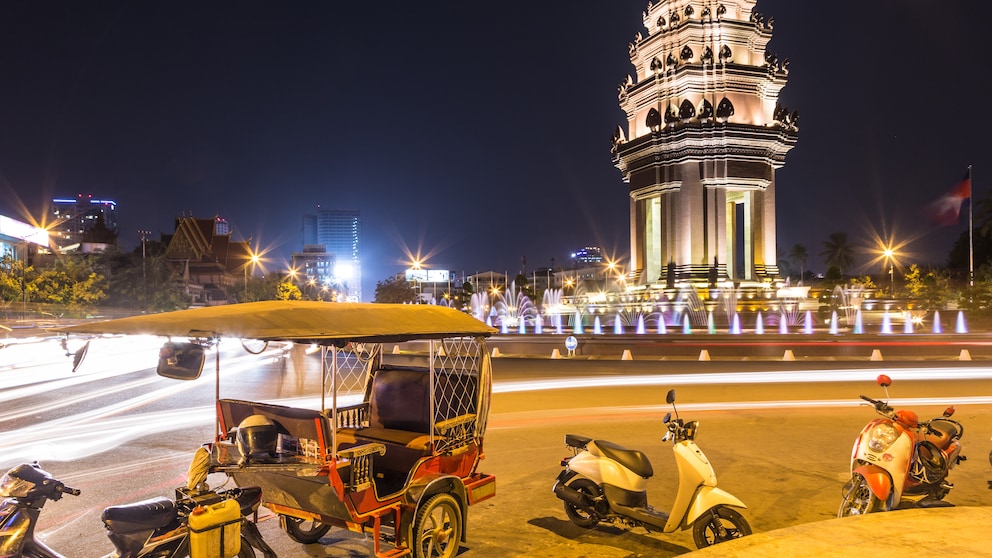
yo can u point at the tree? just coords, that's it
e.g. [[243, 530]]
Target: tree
[[286, 290], [395, 290], [931, 287], [837, 252], [799, 256]]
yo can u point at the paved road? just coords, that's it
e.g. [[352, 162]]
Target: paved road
[[124, 436]]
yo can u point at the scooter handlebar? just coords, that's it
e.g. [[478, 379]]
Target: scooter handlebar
[[69, 490], [880, 406]]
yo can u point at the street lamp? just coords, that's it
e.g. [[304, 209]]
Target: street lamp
[[888, 254], [253, 260]]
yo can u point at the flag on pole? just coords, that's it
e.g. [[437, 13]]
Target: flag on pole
[[946, 210]]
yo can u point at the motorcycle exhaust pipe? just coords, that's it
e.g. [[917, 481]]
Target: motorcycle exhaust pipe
[[574, 497]]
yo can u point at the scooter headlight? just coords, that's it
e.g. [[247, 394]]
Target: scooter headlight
[[13, 487], [882, 436]]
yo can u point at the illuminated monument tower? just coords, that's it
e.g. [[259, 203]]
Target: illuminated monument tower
[[704, 136]]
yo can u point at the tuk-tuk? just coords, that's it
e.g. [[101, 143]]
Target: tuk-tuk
[[393, 449]]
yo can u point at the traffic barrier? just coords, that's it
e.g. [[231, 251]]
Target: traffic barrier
[[965, 355], [704, 355], [876, 355], [788, 355], [440, 351], [626, 355], [495, 352], [396, 349], [555, 354]]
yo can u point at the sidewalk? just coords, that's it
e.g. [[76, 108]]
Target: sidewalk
[[913, 532]]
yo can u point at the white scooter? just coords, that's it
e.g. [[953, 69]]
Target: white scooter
[[606, 482]]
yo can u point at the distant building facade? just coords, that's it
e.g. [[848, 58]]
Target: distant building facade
[[209, 264], [340, 232], [83, 220], [314, 268]]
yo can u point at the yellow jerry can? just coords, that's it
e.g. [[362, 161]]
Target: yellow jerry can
[[215, 530]]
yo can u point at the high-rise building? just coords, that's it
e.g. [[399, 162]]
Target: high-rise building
[[76, 218], [704, 136], [340, 232]]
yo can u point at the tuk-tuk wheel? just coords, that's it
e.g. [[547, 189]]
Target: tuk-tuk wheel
[[303, 531], [438, 528]]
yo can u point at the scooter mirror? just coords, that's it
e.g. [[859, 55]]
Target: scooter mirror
[[668, 417], [949, 411], [670, 398], [884, 380]]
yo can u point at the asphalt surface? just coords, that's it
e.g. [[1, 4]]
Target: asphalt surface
[[787, 463]]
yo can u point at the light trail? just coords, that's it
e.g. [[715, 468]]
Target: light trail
[[729, 378]]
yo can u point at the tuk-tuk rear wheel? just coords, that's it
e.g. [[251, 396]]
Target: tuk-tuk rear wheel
[[438, 528], [304, 531]]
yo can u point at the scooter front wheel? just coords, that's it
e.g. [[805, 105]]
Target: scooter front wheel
[[721, 524], [583, 518], [858, 498]]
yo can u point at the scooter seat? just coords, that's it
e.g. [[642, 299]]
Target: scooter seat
[[140, 516], [634, 460], [942, 432], [577, 441]]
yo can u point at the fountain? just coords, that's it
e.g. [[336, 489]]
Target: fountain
[[783, 325], [551, 306], [538, 325], [759, 324], [640, 325], [662, 328], [577, 325], [859, 326], [515, 308], [961, 327], [808, 323], [833, 323], [618, 325], [710, 326], [886, 324], [907, 325], [479, 304], [936, 322], [597, 328], [735, 324], [686, 327]]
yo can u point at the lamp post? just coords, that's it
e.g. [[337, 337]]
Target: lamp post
[[889, 254], [252, 261]]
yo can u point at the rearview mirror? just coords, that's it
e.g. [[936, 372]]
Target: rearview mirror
[[77, 358], [949, 412], [670, 398], [181, 361], [884, 380]]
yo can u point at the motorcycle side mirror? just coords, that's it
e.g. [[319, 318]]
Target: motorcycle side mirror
[[884, 380], [949, 411], [670, 398], [668, 417]]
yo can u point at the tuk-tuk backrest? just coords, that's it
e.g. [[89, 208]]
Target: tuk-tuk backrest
[[296, 422], [400, 400]]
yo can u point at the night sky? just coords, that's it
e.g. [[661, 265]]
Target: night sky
[[472, 133]]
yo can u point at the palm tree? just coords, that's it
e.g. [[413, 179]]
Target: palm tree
[[798, 255], [838, 252]]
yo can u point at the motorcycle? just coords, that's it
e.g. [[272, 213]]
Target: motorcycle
[[603, 481], [897, 458], [157, 527]]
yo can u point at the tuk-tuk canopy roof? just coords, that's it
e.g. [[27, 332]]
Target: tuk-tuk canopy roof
[[300, 321]]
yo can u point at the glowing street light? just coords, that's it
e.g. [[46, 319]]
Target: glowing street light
[[889, 256]]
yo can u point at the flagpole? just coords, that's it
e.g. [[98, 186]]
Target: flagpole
[[971, 231]]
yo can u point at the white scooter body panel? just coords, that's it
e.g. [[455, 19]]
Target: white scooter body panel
[[694, 471], [603, 470], [895, 459]]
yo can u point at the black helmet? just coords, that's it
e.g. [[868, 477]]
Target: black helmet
[[257, 437]]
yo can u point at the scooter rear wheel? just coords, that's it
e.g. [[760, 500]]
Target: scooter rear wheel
[[721, 524], [858, 498], [578, 516]]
